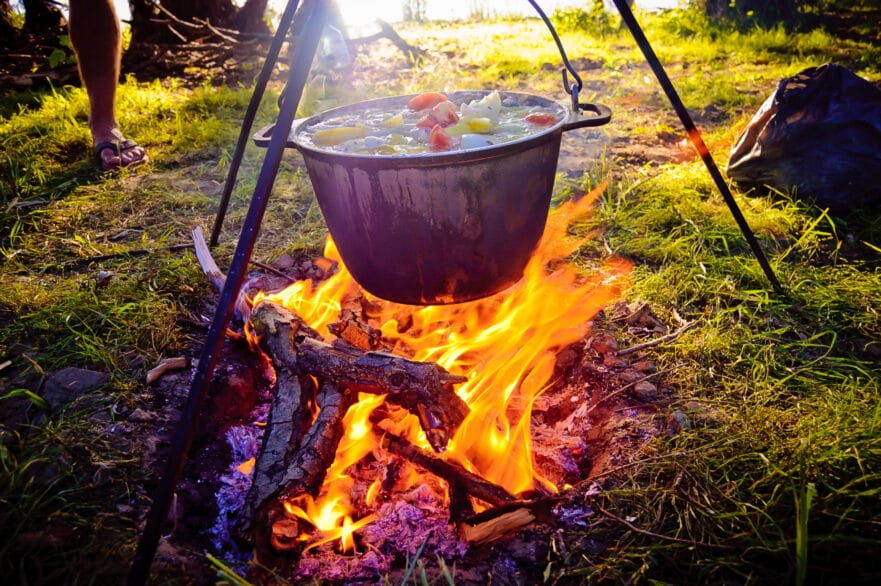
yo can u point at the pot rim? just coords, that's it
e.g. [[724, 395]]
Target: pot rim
[[429, 158]]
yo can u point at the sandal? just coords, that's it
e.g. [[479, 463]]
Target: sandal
[[118, 148]]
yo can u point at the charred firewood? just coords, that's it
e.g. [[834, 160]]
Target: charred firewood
[[453, 473], [306, 472], [422, 388], [281, 460], [461, 506], [277, 547], [288, 418], [353, 327], [276, 536]]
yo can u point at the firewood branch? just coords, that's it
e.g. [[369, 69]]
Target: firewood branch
[[495, 523], [422, 388], [300, 472], [306, 472], [387, 31], [453, 473], [507, 514], [206, 261], [288, 418]]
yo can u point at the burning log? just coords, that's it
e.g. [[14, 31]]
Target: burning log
[[288, 417], [424, 389], [508, 513], [306, 472], [294, 460], [453, 473], [301, 471]]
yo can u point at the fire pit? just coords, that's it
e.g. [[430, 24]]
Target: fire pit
[[383, 411]]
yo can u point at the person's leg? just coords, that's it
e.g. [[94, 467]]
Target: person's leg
[[96, 38]]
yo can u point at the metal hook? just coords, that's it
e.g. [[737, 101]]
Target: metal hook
[[570, 89]]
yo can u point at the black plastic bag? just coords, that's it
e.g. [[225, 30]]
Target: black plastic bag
[[819, 134]]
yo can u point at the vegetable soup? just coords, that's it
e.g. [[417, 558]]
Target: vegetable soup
[[430, 122]]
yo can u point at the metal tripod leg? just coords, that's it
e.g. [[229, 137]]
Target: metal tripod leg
[[304, 52], [696, 140], [284, 26]]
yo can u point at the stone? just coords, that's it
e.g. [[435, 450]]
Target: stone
[[645, 366], [615, 362], [141, 416], [645, 391], [604, 344], [631, 376], [68, 384], [677, 422]]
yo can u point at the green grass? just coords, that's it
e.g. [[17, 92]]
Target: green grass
[[777, 479], [65, 495], [786, 470]]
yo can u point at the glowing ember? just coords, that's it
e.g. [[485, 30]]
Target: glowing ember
[[246, 467], [505, 345]]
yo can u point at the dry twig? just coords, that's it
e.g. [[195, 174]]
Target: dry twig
[[666, 338], [629, 385], [662, 537]]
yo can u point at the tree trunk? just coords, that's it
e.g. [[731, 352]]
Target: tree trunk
[[41, 16], [218, 12], [152, 25], [143, 25], [250, 17], [7, 27]]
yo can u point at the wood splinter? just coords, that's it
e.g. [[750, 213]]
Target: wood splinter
[[495, 523], [495, 528], [166, 365]]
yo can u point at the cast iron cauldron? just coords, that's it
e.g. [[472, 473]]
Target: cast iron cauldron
[[439, 227]]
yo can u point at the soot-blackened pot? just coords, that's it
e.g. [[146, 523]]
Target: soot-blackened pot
[[439, 227]]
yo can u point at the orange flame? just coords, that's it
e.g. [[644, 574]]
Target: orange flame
[[505, 345]]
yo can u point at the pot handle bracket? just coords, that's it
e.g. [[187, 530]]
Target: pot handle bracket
[[262, 136], [598, 116]]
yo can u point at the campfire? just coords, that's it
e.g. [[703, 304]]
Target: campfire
[[387, 416]]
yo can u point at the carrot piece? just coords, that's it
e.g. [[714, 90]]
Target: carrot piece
[[541, 119], [426, 101], [439, 139]]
